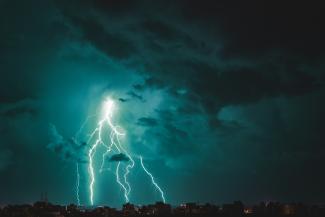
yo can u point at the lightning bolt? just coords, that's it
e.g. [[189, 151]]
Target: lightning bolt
[[115, 142], [77, 183], [153, 180], [115, 133], [91, 154], [120, 183], [114, 145], [76, 137]]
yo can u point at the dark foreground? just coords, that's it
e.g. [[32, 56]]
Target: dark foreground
[[236, 209]]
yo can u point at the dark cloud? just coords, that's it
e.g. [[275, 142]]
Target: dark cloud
[[112, 44], [147, 122], [123, 100], [6, 158], [6, 96], [135, 96], [175, 131], [255, 27], [115, 7], [160, 31], [119, 158], [266, 73], [67, 149], [18, 111], [150, 83], [219, 88]]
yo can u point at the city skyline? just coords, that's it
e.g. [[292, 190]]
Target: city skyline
[[234, 209]]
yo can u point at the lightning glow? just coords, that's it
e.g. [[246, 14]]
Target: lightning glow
[[153, 180], [77, 184], [98, 138]]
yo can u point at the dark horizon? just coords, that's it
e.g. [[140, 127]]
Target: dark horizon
[[235, 209]]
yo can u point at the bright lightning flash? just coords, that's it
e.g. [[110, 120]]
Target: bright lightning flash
[[114, 134]]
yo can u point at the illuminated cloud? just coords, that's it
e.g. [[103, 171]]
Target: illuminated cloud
[[68, 149]]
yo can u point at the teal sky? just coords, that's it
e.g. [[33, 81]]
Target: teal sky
[[224, 101]]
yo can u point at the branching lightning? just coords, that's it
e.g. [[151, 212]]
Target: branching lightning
[[91, 154], [113, 139]]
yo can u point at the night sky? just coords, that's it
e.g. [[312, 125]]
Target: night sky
[[223, 99]]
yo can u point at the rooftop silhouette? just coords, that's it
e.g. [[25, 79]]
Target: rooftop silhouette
[[235, 209]]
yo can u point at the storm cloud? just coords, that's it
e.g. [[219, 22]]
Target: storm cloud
[[68, 149], [149, 122], [214, 89]]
